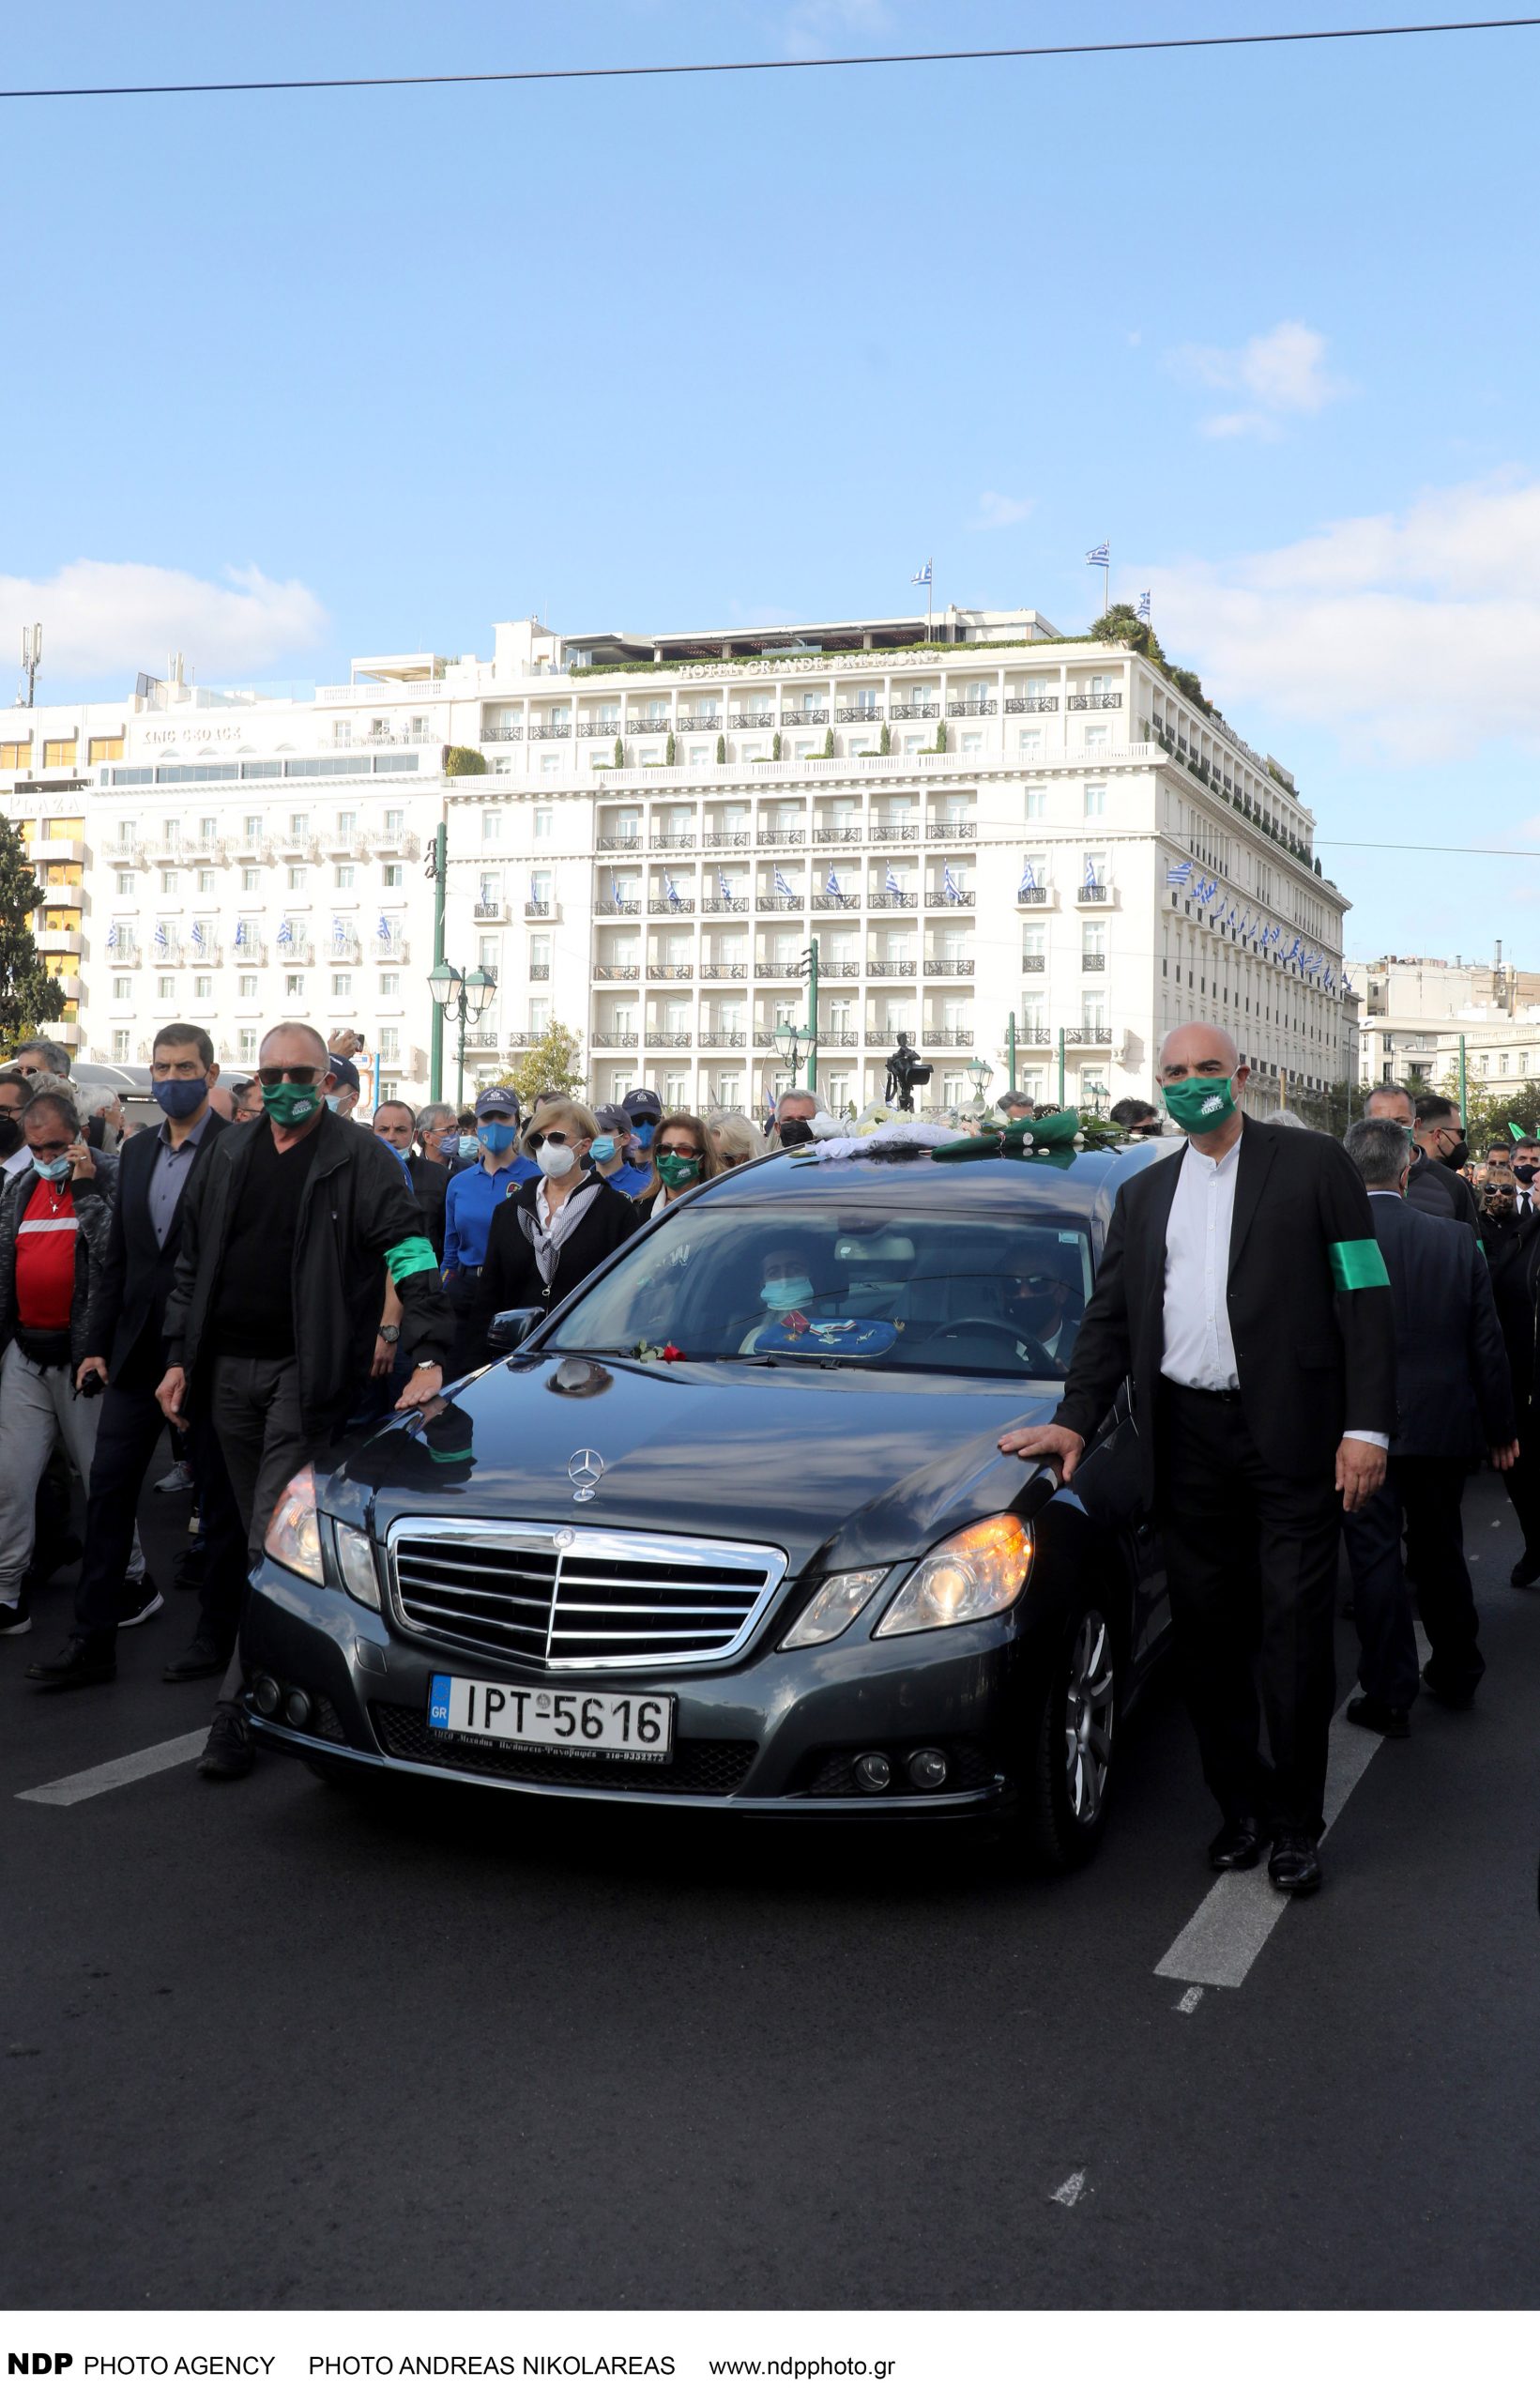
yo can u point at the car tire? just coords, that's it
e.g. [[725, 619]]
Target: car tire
[[1070, 1768]]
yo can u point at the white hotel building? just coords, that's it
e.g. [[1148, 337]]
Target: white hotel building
[[975, 820]]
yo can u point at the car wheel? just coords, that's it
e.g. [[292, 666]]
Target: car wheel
[[1077, 1734]]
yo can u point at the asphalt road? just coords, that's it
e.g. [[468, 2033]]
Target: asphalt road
[[268, 2045]]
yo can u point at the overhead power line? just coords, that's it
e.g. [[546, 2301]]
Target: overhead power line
[[1452, 851], [767, 65]]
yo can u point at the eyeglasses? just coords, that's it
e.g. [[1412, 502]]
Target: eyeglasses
[[645, 1126], [11, 1108], [307, 1075], [736, 1159], [678, 1152]]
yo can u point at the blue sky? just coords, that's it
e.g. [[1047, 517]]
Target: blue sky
[[296, 376]]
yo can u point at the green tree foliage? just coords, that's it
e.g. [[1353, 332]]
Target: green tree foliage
[[1122, 624], [775, 746], [549, 1066], [721, 750], [460, 760], [885, 739], [828, 751], [670, 752], [29, 998], [619, 751]]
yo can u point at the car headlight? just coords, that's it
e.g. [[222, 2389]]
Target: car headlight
[[833, 1608], [975, 1574], [294, 1531], [356, 1559]]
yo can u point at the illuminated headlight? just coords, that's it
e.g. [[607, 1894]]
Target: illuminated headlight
[[294, 1531], [833, 1606], [975, 1574], [356, 1559]]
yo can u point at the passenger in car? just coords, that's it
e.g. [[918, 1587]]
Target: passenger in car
[[788, 1287]]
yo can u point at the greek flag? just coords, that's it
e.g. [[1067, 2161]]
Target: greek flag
[[950, 887], [615, 892], [338, 932], [115, 937], [387, 932], [1181, 875], [726, 888], [833, 887], [1204, 890], [782, 887], [243, 935], [1100, 557], [1143, 609], [199, 938], [1028, 879], [671, 893], [286, 936], [159, 937], [923, 576], [1090, 876], [892, 886]]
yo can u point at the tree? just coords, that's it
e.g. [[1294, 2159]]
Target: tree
[[460, 760], [549, 1066], [670, 752], [828, 751], [29, 997], [775, 746], [619, 751], [940, 741], [721, 750], [1122, 624], [885, 739]]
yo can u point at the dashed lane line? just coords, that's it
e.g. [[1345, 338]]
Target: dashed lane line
[[123, 1771], [1226, 1932]]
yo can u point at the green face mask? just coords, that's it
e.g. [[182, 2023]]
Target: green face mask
[[1199, 1104], [289, 1105], [674, 1172]]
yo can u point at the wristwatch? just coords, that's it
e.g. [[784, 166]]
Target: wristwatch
[[390, 1334]]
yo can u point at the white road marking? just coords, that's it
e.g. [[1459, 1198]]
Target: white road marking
[[1189, 2000], [1069, 2194], [124, 1772], [1226, 1932]]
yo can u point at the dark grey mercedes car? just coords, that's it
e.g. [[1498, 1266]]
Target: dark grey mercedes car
[[731, 1531]]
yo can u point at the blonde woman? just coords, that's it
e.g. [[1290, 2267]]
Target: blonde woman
[[684, 1155], [737, 1137], [548, 1234]]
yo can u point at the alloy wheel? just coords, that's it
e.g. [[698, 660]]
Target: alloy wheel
[[1089, 1700]]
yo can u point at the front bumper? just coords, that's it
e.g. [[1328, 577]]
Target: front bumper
[[770, 1737]]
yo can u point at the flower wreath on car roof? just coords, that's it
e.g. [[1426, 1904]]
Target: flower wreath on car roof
[[1054, 1135]]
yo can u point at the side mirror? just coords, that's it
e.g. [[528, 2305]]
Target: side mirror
[[510, 1329]]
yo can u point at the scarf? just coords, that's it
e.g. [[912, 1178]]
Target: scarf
[[546, 1242]]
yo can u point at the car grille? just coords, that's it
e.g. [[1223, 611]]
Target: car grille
[[562, 1600], [696, 1767]]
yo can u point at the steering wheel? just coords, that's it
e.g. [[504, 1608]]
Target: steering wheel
[[1039, 1362]]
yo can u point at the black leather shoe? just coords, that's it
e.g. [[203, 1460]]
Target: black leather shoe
[[1452, 1696], [202, 1658], [1526, 1568], [1377, 1717], [229, 1751], [1295, 1865], [1237, 1845], [86, 1660]]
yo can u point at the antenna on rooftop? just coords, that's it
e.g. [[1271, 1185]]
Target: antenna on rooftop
[[31, 659]]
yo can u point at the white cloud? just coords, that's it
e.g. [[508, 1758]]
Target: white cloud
[[1413, 635], [996, 509], [110, 617], [1282, 373], [824, 28]]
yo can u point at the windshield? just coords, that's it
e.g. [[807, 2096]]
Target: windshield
[[888, 1290]]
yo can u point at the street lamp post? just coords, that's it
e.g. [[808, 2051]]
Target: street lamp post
[[980, 1072], [467, 998]]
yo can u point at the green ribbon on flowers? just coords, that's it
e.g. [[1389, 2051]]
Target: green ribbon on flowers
[[1356, 1267]]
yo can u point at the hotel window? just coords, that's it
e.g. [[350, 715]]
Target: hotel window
[[1096, 736], [971, 744], [300, 822], [674, 1093], [491, 825], [915, 742], [120, 1042], [125, 832], [122, 988], [124, 880], [205, 880], [345, 879], [341, 732], [868, 698], [248, 985], [253, 830], [539, 1017], [294, 988], [59, 754], [203, 987], [1096, 800], [649, 755], [165, 987], [389, 985], [606, 759], [1093, 1002], [550, 763], [342, 988], [16, 755], [1029, 742], [251, 880], [394, 821], [393, 875], [347, 821], [609, 715], [297, 879], [1037, 800], [542, 819], [389, 1043], [246, 1042], [103, 746], [168, 880]]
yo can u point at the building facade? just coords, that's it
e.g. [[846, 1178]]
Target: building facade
[[1010, 846], [1418, 1014]]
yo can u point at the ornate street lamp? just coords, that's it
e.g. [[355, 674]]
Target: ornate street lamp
[[467, 998]]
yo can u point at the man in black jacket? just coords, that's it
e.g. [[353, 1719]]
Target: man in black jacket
[[1453, 1401], [1433, 1187], [1243, 1291], [1513, 1255], [125, 1352], [275, 1305]]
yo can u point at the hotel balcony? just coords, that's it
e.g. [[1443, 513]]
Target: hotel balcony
[[392, 950], [490, 913], [647, 725], [619, 842], [673, 842], [839, 972], [617, 972], [1093, 897], [123, 855], [948, 967], [892, 900], [345, 947], [671, 971], [57, 941], [724, 1038], [1112, 700], [868, 714], [726, 838], [848, 831], [300, 953], [725, 905], [1032, 704], [752, 717], [896, 832], [947, 1038], [291, 846], [611, 906], [915, 708], [699, 725], [953, 830], [390, 842], [725, 971], [539, 909], [960, 900], [603, 729], [892, 967], [804, 717], [539, 972], [781, 838], [1094, 963], [673, 1038], [1039, 896], [50, 849], [615, 1038], [1092, 1038], [970, 708]]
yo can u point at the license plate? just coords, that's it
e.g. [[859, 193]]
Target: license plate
[[537, 1719]]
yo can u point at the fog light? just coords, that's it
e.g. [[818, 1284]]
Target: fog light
[[297, 1707], [873, 1772], [927, 1768], [268, 1693]]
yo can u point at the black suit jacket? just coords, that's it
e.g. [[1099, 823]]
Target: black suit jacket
[[429, 1182], [129, 1295], [1513, 1256], [1439, 1193], [1451, 1391], [1314, 1356]]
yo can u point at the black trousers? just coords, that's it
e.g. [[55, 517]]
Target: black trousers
[[128, 1434], [1429, 1491], [1251, 1560], [1523, 1479]]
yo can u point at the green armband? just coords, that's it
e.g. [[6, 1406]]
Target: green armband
[[416, 1254], [1355, 1266]]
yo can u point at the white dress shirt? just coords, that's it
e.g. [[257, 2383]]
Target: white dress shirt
[[1199, 1348]]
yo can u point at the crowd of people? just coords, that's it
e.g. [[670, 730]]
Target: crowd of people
[[1325, 1338]]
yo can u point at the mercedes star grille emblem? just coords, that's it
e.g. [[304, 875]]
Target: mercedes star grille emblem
[[585, 1469]]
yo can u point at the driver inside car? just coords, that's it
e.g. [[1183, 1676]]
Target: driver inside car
[[786, 1285], [1047, 1309]]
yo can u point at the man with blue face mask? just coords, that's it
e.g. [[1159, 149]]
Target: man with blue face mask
[[612, 1152], [468, 1205], [125, 1352]]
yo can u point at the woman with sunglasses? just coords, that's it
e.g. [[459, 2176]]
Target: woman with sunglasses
[[547, 1237], [736, 1139], [684, 1155]]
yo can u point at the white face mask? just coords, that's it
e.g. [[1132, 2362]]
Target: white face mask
[[556, 1159]]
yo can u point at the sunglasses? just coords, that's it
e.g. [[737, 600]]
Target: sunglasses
[[679, 1152], [307, 1075]]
